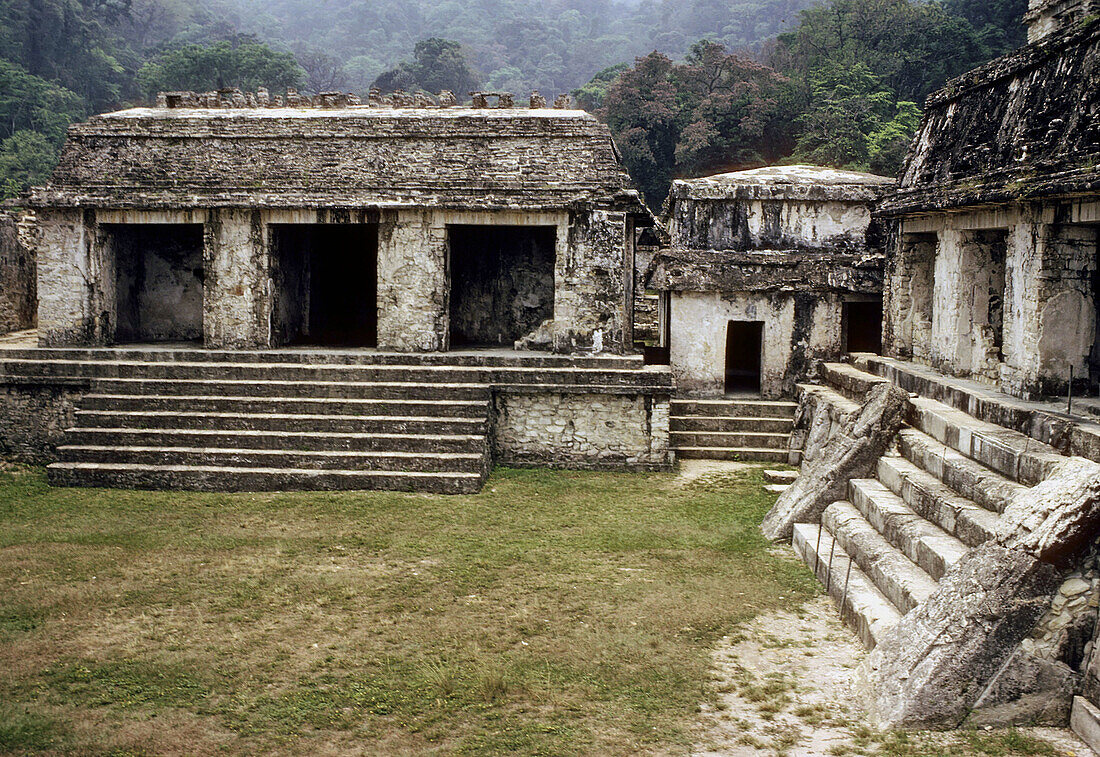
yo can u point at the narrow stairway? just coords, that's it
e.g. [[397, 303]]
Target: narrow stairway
[[882, 551], [750, 430]]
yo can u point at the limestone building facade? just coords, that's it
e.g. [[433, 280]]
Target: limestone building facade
[[226, 220], [770, 271], [241, 292], [994, 271]]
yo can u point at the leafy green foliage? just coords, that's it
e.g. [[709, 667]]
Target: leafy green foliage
[[437, 64], [712, 112], [241, 63], [26, 158]]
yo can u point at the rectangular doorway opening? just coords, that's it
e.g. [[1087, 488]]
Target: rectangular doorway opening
[[863, 326], [326, 284], [502, 282], [744, 356], [158, 281]]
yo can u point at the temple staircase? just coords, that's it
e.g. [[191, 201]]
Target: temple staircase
[[732, 429], [881, 552], [294, 420]]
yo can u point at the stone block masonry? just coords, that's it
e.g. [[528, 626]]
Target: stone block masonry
[[18, 290], [584, 431]]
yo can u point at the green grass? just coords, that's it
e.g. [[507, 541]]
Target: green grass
[[554, 613]]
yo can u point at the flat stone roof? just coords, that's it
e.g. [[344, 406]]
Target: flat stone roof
[[798, 182]]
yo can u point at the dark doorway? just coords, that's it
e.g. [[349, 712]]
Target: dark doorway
[[744, 352], [502, 282], [158, 281], [326, 284], [863, 326]]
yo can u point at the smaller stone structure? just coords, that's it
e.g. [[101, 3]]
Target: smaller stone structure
[[18, 290], [770, 271]]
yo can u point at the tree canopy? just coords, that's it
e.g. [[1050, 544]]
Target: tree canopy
[[714, 84]]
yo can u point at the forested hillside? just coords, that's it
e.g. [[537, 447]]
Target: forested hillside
[[830, 81]]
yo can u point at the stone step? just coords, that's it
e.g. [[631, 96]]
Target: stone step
[[301, 389], [850, 381], [271, 440], [710, 423], [286, 405], [861, 604], [781, 476], [383, 424], [520, 375], [899, 579], [733, 454], [776, 488], [932, 499], [208, 457], [1010, 453], [839, 405], [969, 478], [224, 479], [734, 408], [1045, 421], [742, 439], [926, 544], [315, 356]]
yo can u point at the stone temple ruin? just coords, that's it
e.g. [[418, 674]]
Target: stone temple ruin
[[240, 293], [248, 292]]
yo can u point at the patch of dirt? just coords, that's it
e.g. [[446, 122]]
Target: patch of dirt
[[784, 685], [701, 471]]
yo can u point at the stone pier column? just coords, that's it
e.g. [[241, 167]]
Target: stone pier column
[[413, 300], [237, 297], [75, 281]]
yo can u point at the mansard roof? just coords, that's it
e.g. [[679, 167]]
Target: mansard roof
[[351, 156], [1025, 126]]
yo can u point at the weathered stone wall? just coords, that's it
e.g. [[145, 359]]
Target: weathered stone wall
[[588, 431], [769, 224], [590, 291], [33, 419], [18, 285], [1031, 267], [799, 331]]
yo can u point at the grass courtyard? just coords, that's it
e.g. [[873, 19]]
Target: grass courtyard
[[554, 613]]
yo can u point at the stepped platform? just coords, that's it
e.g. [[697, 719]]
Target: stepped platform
[[180, 417], [745, 429], [882, 550]]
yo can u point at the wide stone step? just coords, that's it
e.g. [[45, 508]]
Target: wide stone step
[[306, 389], [419, 462], [383, 424], [314, 356], [900, 580], [220, 479], [733, 454], [287, 405], [741, 439], [926, 544], [726, 425], [861, 604], [850, 381], [733, 408], [969, 478], [934, 500], [355, 373], [272, 440], [1008, 452]]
